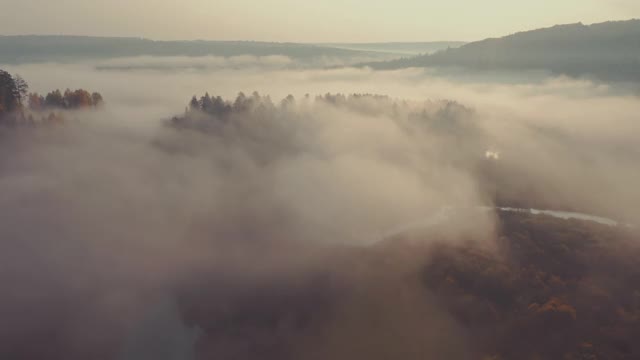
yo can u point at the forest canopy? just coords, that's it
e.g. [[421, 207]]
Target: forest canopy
[[17, 105]]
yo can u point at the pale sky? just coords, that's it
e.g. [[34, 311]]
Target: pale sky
[[303, 21]]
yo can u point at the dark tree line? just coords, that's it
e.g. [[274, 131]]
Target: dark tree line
[[76, 99], [17, 105], [210, 105], [215, 107]]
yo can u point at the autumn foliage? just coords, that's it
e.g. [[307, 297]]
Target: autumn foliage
[[19, 107], [559, 290]]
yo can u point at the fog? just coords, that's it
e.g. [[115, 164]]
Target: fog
[[109, 216]]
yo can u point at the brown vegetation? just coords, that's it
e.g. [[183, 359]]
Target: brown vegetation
[[14, 93], [553, 289]]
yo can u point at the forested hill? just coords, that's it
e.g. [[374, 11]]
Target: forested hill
[[21, 49], [608, 51]]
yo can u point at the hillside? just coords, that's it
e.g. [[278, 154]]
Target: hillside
[[35, 49], [555, 289], [607, 51]]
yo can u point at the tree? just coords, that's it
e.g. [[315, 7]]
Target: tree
[[77, 99], [36, 102], [54, 99], [22, 88], [194, 104], [206, 103], [9, 94], [66, 98], [96, 99], [241, 102], [288, 101]]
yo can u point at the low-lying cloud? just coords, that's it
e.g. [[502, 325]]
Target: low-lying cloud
[[107, 216]]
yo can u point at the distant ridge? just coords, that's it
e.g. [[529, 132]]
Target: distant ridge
[[42, 48], [607, 51]]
